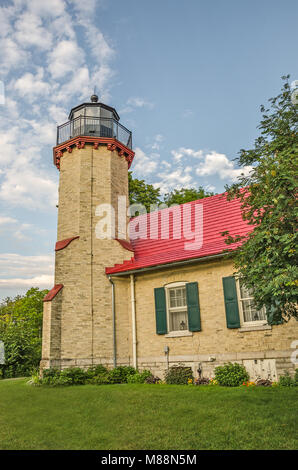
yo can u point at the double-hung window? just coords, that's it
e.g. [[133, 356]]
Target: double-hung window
[[249, 315], [177, 307]]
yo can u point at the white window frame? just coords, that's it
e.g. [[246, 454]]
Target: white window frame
[[167, 291], [241, 313]]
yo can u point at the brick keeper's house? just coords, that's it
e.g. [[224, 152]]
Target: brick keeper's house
[[164, 298]]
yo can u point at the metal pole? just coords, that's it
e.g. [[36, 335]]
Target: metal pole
[[114, 323], [133, 321]]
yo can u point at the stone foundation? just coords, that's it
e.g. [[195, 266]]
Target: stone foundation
[[266, 365]]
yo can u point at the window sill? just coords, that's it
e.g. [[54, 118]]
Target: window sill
[[176, 334], [255, 328]]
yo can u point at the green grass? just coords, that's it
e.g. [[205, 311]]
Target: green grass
[[146, 417]]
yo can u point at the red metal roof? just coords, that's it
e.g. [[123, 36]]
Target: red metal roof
[[218, 215]]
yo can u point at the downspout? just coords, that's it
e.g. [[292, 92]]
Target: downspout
[[114, 323], [133, 321]]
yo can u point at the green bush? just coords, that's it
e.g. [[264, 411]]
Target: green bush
[[70, 376], [96, 370], [152, 379], [120, 374], [102, 379], [231, 375], [50, 375], [139, 377], [95, 375], [288, 381], [61, 379], [178, 375], [77, 375]]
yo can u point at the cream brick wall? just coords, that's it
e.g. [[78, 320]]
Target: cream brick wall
[[83, 308], [215, 339]]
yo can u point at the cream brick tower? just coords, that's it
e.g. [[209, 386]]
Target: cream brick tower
[[93, 154]]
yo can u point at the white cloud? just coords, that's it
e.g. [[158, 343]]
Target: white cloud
[[219, 164], [139, 103], [144, 164], [4, 221], [66, 57], [33, 86], [29, 31], [44, 281], [136, 102], [186, 152], [12, 56], [29, 187], [26, 271], [176, 179], [45, 8]]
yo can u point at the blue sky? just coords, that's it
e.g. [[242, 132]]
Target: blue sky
[[186, 77]]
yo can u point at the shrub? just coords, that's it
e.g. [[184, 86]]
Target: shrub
[[178, 375], [152, 379], [287, 381], [76, 375], [139, 377], [35, 379], [120, 374], [61, 379], [96, 370], [70, 376], [102, 379], [231, 375], [49, 375]]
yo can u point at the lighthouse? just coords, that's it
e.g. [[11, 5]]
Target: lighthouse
[[93, 153]]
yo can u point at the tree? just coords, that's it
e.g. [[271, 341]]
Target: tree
[[21, 332], [180, 196], [266, 258], [142, 193]]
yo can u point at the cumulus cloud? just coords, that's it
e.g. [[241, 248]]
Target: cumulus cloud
[[176, 179], [29, 31], [183, 152], [218, 164], [34, 32], [33, 86], [66, 57], [144, 164]]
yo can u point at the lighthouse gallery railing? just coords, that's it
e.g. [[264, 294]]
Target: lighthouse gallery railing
[[94, 126]]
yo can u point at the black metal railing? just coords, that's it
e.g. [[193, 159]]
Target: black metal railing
[[94, 126]]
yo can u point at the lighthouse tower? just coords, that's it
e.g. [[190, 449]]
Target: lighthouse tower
[[93, 153]]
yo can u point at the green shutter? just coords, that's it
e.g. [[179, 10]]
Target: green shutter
[[160, 311], [231, 302], [193, 307]]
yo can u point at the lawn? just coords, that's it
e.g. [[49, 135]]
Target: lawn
[[146, 417]]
